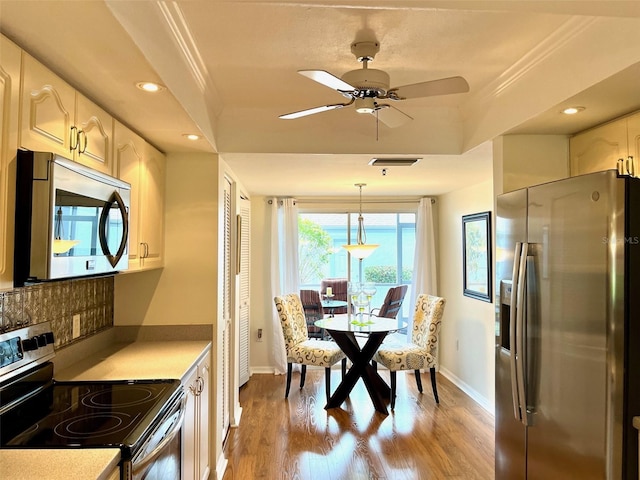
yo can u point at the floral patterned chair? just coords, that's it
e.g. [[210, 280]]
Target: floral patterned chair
[[422, 352], [302, 350]]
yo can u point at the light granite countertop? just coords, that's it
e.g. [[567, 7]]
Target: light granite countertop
[[137, 361], [123, 361], [58, 464]]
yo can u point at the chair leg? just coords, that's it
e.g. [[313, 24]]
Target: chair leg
[[303, 375], [344, 367], [286, 392], [433, 383], [393, 389], [327, 382], [374, 364], [418, 380]]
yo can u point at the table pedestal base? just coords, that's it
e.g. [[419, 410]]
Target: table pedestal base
[[379, 391]]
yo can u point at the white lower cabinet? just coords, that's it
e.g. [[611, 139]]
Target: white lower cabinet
[[196, 428]]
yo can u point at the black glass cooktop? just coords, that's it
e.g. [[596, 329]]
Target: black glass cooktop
[[86, 414]]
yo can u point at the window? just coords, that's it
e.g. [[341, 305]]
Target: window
[[321, 236]]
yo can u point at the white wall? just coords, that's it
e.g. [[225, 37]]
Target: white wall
[[262, 306], [467, 335], [185, 290], [524, 160]]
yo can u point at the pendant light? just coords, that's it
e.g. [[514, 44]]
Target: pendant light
[[61, 245], [360, 249]]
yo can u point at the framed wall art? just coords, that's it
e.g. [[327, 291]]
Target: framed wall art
[[476, 256]]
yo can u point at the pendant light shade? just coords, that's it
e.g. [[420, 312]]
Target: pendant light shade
[[360, 249]]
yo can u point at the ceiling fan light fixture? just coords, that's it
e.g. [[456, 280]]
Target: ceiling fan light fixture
[[365, 105], [394, 162]]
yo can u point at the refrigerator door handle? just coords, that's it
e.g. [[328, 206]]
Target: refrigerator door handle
[[512, 332], [520, 333]]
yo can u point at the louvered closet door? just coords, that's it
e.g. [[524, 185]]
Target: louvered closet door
[[226, 310], [245, 243]]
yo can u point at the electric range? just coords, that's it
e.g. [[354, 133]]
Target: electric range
[[38, 412]]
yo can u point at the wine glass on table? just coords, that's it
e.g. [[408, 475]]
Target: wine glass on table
[[369, 289], [360, 303]]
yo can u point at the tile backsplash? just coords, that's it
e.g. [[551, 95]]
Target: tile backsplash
[[58, 302]]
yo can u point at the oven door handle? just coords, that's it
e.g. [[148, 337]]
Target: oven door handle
[[141, 464]]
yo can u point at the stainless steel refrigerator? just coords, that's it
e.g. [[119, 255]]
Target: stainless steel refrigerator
[[568, 329]]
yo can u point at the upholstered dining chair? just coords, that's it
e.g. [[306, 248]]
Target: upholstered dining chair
[[300, 348], [422, 351], [392, 302], [313, 311], [339, 288]]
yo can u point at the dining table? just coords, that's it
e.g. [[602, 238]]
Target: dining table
[[330, 304], [345, 329]]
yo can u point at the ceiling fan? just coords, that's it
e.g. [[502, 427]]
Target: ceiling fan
[[368, 89]]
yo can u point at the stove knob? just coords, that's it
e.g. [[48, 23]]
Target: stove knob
[[29, 344], [49, 337]]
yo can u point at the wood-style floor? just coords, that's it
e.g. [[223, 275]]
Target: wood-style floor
[[296, 438]]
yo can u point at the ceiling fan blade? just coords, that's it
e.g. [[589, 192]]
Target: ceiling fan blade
[[391, 116], [327, 79], [443, 86], [311, 111]]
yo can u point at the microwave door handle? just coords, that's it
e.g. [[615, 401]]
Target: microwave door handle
[[104, 217], [512, 332], [520, 333]]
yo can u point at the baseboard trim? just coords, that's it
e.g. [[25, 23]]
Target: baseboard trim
[[262, 370], [475, 396], [221, 466]]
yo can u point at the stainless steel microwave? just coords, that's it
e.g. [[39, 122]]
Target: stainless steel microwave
[[71, 220]]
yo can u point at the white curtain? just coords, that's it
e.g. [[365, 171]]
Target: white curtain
[[284, 267], [424, 261]]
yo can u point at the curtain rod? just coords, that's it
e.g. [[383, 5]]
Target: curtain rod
[[342, 201]]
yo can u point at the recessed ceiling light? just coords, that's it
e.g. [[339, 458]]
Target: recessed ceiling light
[[150, 87], [572, 110], [191, 136]]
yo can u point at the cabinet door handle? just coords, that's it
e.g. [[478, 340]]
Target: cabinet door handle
[[73, 136], [200, 385], [82, 146], [145, 250]]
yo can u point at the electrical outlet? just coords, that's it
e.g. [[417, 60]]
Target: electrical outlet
[[76, 326], [259, 335]]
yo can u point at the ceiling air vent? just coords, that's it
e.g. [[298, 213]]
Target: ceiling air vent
[[393, 162]]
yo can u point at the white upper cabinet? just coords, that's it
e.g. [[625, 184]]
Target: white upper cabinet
[[56, 118], [613, 145], [152, 179], [128, 150], [94, 136], [10, 103], [633, 139], [141, 165]]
